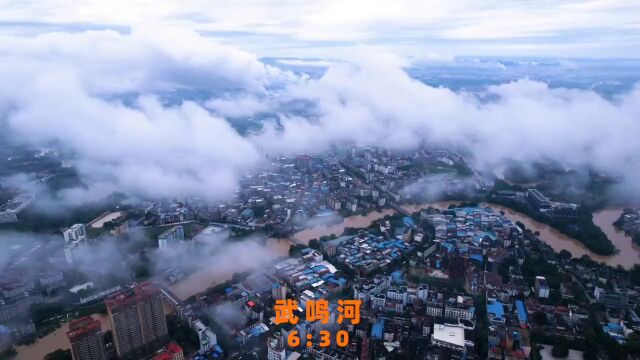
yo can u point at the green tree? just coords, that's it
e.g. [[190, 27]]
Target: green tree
[[9, 353], [560, 350], [59, 355], [565, 254], [314, 244]]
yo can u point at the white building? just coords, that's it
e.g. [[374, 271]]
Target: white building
[[208, 338], [77, 232], [8, 216], [75, 238], [542, 287], [398, 294], [449, 336], [378, 301], [453, 312], [364, 291], [275, 347], [423, 292], [173, 235]]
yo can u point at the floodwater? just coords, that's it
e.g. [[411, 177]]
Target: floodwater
[[99, 222], [355, 221], [223, 269], [54, 341], [274, 248], [629, 254], [554, 238], [200, 280], [627, 257]]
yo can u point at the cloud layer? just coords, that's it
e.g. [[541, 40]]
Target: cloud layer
[[310, 28], [99, 95]]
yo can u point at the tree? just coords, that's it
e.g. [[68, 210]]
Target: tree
[[182, 333], [314, 244], [9, 353], [565, 254], [59, 355], [540, 318], [560, 350]]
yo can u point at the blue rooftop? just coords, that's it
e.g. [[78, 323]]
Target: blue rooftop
[[448, 246], [615, 327], [476, 257], [408, 221], [377, 329], [496, 308], [522, 310]]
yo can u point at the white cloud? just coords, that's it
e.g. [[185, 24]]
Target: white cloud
[[67, 88], [238, 106], [459, 27], [148, 59], [64, 88], [376, 103]]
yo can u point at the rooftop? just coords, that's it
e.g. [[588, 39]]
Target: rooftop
[[82, 326], [449, 334]]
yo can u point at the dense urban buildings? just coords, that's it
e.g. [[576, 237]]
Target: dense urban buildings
[[171, 236], [137, 319], [86, 338]]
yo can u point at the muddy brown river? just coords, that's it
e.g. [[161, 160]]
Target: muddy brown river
[[54, 341], [198, 281], [627, 257]]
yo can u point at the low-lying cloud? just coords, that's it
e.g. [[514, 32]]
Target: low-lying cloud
[[97, 94]]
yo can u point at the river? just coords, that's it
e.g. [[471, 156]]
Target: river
[[274, 248], [627, 257], [235, 257], [54, 341], [629, 254]]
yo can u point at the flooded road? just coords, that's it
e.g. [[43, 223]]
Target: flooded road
[[54, 341]]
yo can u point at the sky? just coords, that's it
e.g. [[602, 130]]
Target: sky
[[330, 28], [147, 95]]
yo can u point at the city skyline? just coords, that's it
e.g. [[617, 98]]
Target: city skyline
[[455, 179]]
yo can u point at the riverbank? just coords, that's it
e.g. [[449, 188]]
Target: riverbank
[[228, 262], [54, 341], [216, 273]]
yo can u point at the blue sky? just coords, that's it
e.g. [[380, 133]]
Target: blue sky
[[332, 28]]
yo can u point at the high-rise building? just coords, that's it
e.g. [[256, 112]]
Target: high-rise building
[[85, 336], [77, 232], [537, 199], [171, 236], [279, 291], [208, 339], [137, 319], [74, 239], [541, 286], [275, 347]]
